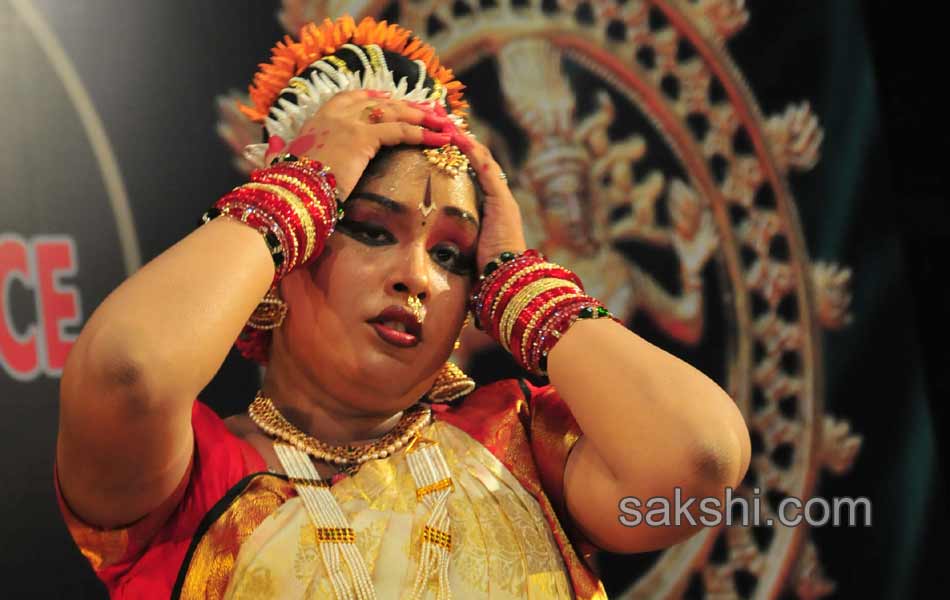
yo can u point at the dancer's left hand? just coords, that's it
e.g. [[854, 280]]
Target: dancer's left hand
[[502, 228]]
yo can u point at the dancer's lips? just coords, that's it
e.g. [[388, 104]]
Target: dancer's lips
[[398, 326]]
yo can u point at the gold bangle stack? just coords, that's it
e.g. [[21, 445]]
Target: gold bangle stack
[[300, 185], [514, 279], [542, 311], [521, 300], [299, 209]]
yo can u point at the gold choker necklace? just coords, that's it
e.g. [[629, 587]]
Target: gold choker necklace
[[266, 416]]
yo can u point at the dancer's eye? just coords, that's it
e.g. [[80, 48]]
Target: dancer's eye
[[453, 259], [364, 231], [447, 256]]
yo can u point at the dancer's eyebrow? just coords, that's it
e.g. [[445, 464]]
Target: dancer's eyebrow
[[399, 208], [387, 203], [465, 216]]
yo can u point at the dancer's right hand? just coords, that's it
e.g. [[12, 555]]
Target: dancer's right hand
[[343, 136]]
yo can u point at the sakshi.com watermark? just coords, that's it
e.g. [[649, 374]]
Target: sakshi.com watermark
[[735, 509]]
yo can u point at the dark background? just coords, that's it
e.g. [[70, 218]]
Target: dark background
[[916, 146], [875, 202]]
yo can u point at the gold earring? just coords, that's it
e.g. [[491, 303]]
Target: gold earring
[[451, 382], [270, 312], [458, 341]]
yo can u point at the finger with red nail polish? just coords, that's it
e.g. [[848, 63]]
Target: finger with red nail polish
[[461, 141], [433, 121], [433, 138]]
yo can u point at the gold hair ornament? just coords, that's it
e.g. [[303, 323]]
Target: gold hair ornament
[[448, 158]]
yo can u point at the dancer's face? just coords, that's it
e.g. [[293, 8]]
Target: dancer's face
[[382, 251]]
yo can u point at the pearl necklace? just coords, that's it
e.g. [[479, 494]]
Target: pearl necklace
[[337, 539], [266, 416]]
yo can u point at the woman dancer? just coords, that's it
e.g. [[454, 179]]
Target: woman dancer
[[367, 466]]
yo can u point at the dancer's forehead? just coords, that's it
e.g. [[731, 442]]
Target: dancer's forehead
[[408, 185]]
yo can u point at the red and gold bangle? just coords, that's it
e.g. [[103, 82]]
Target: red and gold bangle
[[300, 189], [277, 208], [550, 327], [320, 174], [275, 245], [283, 251], [268, 223], [531, 273], [300, 210], [491, 275], [506, 292], [526, 304], [592, 309], [528, 322], [502, 285], [490, 294], [516, 308], [292, 204], [323, 225], [288, 219], [318, 180], [494, 291]]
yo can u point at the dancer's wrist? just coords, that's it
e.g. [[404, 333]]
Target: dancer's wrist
[[293, 205], [526, 304]]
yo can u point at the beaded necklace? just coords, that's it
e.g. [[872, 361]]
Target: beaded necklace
[[335, 537], [266, 416]]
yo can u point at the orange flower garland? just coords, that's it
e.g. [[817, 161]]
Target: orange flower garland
[[290, 58]]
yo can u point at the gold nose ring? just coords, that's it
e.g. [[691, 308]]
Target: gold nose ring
[[415, 305]]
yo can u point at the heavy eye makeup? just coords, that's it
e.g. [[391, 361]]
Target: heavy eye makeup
[[449, 254]]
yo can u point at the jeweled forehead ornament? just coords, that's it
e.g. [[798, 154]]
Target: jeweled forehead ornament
[[448, 158]]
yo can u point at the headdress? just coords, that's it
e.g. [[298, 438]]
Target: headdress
[[304, 74]]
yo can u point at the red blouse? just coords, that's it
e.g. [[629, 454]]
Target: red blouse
[[528, 428]]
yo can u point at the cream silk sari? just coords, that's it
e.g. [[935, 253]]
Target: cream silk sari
[[502, 546], [507, 445]]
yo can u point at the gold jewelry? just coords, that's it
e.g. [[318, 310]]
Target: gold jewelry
[[373, 113], [299, 208], [266, 416], [448, 158], [450, 383], [458, 341], [513, 279], [270, 312], [334, 535], [541, 311], [522, 299], [303, 188], [415, 307]]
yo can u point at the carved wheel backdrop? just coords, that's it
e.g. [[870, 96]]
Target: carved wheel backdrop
[[644, 163]]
